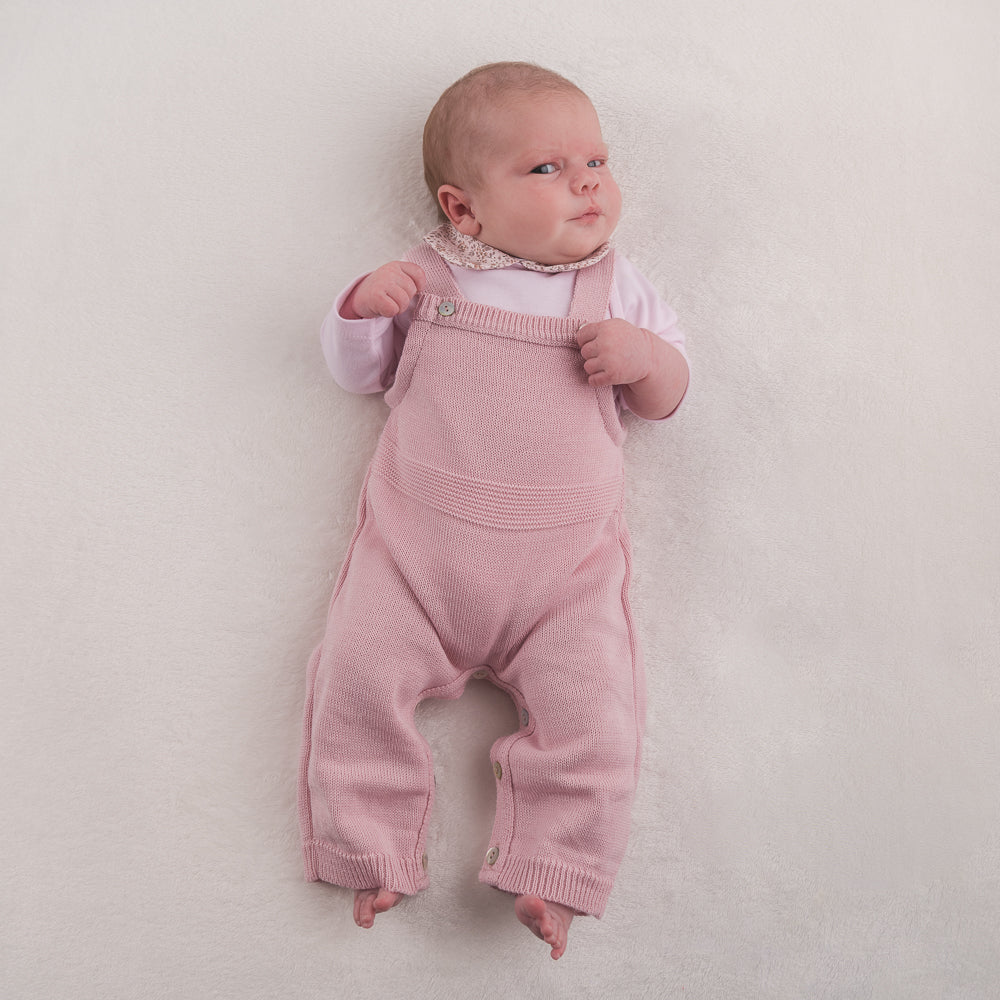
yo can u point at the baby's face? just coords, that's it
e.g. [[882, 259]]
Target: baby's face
[[544, 191]]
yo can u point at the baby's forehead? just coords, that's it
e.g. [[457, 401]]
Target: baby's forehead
[[492, 107], [504, 115], [493, 121]]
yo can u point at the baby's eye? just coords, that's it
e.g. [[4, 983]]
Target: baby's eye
[[545, 168], [594, 164]]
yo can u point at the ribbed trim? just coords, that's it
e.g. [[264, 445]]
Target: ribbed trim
[[497, 505], [325, 863], [475, 316], [552, 881]]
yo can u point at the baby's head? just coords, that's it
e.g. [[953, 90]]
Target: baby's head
[[513, 155]]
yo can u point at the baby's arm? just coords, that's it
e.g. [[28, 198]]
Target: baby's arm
[[653, 374], [362, 335], [385, 292]]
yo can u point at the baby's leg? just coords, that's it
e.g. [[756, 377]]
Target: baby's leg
[[549, 921], [566, 779], [366, 778], [368, 902]]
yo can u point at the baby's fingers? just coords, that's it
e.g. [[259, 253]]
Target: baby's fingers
[[416, 275], [600, 378], [397, 296], [389, 294], [379, 302], [587, 333], [403, 280], [597, 374]]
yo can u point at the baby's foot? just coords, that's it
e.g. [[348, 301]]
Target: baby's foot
[[549, 921], [368, 902]]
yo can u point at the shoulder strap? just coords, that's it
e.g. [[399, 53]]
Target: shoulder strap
[[440, 280], [592, 290]]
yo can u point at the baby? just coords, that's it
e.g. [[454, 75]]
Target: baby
[[490, 541]]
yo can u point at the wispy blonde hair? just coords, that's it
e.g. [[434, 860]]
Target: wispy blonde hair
[[455, 130]]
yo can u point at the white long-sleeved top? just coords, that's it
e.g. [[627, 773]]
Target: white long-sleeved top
[[362, 354]]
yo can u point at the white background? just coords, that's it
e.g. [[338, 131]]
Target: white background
[[185, 186]]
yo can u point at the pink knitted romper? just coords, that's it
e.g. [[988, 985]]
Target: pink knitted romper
[[490, 543]]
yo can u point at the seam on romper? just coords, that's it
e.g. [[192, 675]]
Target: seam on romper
[[305, 793], [413, 345], [509, 743], [638, 709]]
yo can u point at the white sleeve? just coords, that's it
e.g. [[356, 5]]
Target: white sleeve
[[634, 299], [362, 354]]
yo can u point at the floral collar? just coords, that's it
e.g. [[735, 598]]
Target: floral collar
[[467, 251]]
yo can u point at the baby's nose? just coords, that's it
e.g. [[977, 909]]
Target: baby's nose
[[586, 180]]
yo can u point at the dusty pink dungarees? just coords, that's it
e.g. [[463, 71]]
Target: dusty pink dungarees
[[490, 542]]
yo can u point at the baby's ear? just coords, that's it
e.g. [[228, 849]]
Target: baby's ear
[[455, 204]]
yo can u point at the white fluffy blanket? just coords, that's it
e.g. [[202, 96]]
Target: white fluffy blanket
[[814, 187]]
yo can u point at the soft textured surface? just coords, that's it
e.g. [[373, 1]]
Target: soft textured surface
[[815, 189]]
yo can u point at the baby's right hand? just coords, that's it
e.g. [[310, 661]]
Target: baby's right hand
[[386, 291]]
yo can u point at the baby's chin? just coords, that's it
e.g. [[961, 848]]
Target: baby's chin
[[549, 255], [570, 257]]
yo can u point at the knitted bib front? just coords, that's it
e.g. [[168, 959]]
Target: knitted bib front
[[493, 419]]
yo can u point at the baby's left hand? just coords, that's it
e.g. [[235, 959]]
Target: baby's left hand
[[615, 352]]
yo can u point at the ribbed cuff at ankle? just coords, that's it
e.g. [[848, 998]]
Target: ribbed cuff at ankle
[[326, 863], [552, 881]]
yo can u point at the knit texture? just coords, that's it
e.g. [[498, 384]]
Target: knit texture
[[490, 542]]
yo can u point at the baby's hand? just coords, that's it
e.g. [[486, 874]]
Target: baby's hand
[[615, 352], [386, 291]]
